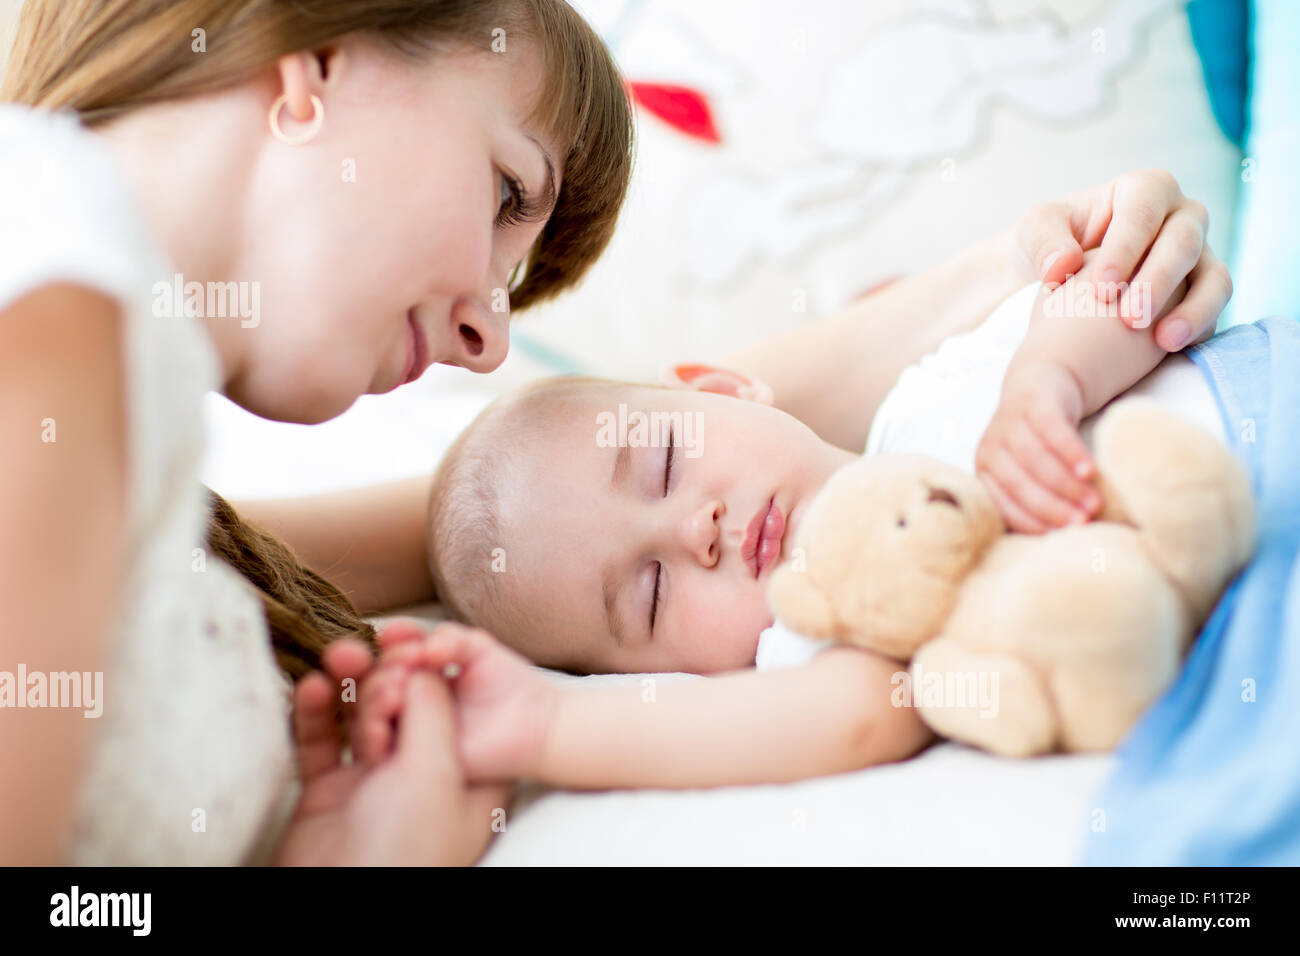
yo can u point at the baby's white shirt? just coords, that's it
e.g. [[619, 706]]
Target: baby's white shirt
[[941, 406]]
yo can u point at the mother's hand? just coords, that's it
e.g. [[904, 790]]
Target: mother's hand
[[413, 808], [1150, 236]]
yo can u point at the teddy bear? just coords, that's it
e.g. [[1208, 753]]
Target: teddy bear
[[1075, 631]]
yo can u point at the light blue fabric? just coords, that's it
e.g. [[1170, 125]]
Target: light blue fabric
[[1208, 777], [1266, 250]]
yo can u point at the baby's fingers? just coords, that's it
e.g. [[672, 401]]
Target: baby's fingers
[[380, 706], [1016, 518], [399, 633], [454, 647], [1014, 478], [1043, 465], [405, 643], [1062, 438]]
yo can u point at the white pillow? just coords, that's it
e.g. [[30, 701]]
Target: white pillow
[[864, 140]]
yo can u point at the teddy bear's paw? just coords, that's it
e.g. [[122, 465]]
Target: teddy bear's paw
[[995, 702], [1184, 492], [1097, 706]]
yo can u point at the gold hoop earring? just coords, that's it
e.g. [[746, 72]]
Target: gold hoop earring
[[317, 119]]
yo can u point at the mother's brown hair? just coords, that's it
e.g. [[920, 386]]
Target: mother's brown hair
[[104, 58]]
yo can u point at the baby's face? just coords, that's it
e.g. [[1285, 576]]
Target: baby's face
[[625, 553]]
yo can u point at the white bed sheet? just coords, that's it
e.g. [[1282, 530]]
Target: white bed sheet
[[951, 805]]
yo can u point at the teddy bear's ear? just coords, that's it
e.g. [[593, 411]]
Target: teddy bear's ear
[[799, 604]]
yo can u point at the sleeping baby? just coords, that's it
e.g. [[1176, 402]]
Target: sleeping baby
[[595, 526]]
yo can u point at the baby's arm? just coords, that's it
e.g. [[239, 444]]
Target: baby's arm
[[1102, 357], [832, 373], [1143, 225], [831, 715], [1074, 359]]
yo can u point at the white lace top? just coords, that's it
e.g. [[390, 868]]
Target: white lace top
[[192, 756]]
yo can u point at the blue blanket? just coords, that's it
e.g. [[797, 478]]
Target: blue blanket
[[1211, 774]]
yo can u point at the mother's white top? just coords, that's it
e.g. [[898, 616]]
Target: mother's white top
[[192, 756]]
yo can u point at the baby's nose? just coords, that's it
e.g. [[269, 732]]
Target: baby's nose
[[701, 533]]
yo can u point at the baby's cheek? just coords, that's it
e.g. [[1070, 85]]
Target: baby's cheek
[[727, 623]]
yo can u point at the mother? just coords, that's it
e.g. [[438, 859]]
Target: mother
[[370, 175], [376, 172]]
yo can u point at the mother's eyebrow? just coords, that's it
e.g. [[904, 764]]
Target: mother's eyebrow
[[613, 619], [549, 195]]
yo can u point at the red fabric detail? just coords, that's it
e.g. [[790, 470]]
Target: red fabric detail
[[680, 107]]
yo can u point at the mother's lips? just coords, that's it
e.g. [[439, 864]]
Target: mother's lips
[[762, 545], [419, 360]]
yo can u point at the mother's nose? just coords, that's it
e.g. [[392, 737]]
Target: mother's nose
[[478, 339]]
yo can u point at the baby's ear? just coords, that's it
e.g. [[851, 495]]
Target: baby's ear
[[722, 381]]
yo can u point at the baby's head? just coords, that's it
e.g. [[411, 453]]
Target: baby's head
[[567, 506]]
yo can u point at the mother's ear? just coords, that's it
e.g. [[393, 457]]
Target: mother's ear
[[307, 73], [721, 381]]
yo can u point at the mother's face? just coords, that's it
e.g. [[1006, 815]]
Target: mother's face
[[386, 242]]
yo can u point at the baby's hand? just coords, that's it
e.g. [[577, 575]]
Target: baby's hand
[[503, 705], [1031, 458]]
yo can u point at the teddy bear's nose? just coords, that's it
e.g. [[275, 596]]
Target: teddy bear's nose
[[944, 496]]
